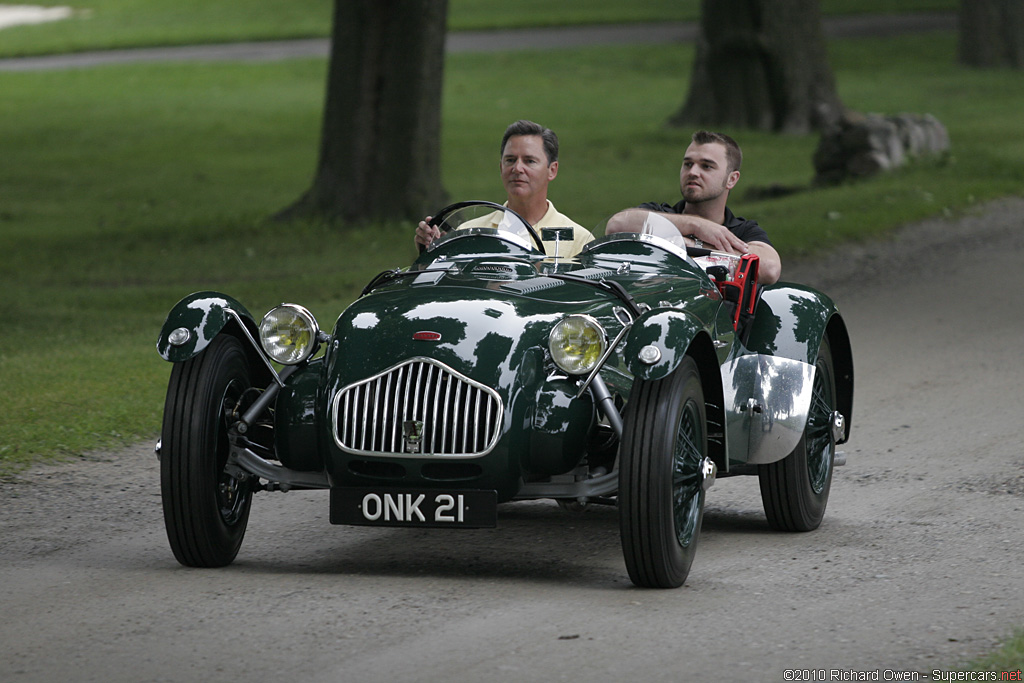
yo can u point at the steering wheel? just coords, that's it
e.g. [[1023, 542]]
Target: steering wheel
[[443, 214]]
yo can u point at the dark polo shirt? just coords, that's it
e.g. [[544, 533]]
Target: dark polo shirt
[[748, 231]]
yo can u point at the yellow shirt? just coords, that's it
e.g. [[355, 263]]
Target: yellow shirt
[[551, 219]]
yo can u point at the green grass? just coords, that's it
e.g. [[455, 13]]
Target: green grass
[[105, 24], [124, 188], [486, 14], [1009, 658]]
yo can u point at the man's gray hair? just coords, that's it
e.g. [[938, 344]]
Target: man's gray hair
[[524, 127]]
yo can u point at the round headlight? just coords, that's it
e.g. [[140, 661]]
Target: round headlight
[[289, 334], [577, 342]]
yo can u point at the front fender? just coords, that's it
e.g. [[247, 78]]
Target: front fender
[[670, 331], [202, 315]]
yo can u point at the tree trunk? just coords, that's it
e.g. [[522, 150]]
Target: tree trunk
[[761, 64], [992, 33], [380, 142]]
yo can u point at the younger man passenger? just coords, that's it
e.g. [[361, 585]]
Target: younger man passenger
[[711, 168]]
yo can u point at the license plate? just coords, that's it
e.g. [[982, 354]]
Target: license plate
[[409, 507]]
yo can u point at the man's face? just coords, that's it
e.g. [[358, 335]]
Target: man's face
[[705, 173], [525, 171]]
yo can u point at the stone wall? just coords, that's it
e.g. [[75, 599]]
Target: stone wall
[[861, 145]]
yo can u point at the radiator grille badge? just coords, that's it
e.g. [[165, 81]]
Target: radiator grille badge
[[412, 431]]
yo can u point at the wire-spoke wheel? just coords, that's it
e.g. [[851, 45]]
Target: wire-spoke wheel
[[795, 490], [205, 508], [661, 481]]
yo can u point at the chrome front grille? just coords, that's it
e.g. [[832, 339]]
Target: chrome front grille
[[420, 408]]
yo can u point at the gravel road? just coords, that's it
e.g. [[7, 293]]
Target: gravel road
[[912, 570]]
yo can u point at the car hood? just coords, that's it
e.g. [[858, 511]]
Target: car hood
[[479, 318]]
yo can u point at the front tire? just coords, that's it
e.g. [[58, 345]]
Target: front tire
[[205, 509], [795, 490], [661, 482]]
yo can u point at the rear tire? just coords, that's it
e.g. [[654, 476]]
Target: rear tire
[[795, 490], [205, 509], [661, 492]]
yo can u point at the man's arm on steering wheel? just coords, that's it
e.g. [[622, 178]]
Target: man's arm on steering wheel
[[426, 233]]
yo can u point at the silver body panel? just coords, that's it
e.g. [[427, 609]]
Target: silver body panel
[[767, 401]]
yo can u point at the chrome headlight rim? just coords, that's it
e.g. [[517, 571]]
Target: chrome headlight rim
[[286, 354], [558, 355]]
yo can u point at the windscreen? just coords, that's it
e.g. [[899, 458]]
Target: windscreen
[[486, 217]]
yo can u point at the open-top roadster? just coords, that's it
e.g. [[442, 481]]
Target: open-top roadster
[[632, 374]]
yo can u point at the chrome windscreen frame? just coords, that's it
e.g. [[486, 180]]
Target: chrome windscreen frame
[[654, 240], [463, 233]]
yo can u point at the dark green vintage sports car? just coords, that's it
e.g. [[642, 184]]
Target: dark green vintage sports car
[[632, 374]]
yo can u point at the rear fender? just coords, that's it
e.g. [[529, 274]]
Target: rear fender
[[842, 363], [790, 322]]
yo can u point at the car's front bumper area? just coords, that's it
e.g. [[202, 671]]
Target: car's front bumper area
[[422, 424]]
